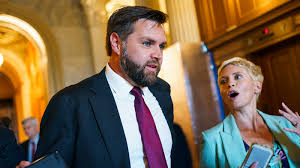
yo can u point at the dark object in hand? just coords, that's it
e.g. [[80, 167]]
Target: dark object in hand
[[51, 160]]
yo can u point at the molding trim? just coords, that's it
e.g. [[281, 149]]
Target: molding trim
[[252, 24]]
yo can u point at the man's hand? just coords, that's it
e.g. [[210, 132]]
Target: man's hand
[[23, 164], [294, 118]]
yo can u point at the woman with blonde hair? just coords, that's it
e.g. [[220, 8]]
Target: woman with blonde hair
[[226, 145]]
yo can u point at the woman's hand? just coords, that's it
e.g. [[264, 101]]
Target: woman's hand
[[253, 165], [294, 118]]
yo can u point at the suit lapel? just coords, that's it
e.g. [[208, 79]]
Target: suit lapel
[[25, 146], [232, 142], [165, 101], [109, 122], [161, 97]]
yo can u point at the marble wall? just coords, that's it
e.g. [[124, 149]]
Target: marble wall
[[66, 21]]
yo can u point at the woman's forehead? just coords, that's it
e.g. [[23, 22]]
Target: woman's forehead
[[231, 68]]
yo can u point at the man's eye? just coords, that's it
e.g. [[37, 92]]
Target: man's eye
[[162, 47], [147, 44]]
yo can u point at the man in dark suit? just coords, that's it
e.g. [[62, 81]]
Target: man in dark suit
[[31, 129], [10, 152], [121, 117]]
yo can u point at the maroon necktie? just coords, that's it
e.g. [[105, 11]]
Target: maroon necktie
[[33, 150], [152, 145]]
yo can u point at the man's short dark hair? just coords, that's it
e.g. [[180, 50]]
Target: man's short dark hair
[[5, 122], [121, 21]]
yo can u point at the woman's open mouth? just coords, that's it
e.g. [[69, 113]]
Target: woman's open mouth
[[233, 94]]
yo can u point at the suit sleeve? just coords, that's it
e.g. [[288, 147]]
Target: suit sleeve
[[182, 156], [10, 152], [58, 128], [207, 155]]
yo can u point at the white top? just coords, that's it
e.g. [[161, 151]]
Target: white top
[[125, 104]]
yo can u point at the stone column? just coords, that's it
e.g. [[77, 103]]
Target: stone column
[[183, 21], [97, 20], [149, 3]]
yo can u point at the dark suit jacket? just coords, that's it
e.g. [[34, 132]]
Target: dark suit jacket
[[10, 152], [24, 145], [182, 156], [82, 122]]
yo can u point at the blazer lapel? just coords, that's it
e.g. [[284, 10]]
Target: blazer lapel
[[288, 140], [233, 142], [109, 122]]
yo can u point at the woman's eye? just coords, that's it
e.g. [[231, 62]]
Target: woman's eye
[[237, 76], [147, 44], [222, 81]]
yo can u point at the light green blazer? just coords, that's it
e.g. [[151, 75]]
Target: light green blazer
[[222, 145]]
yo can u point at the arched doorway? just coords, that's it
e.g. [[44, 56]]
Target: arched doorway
[[26, 66], [7, 93]]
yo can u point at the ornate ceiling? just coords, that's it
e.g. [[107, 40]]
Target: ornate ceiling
[[9, 37]]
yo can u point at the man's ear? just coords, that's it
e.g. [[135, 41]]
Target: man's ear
[[115, 42], [258, 87]]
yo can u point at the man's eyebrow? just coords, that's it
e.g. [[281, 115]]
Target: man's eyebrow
[[152, 40], [164, 43], [148, 39]]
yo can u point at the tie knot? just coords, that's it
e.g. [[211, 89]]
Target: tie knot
[[32, 142], [136, 92]]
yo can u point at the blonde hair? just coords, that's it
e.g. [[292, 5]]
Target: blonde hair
[[254, 70]]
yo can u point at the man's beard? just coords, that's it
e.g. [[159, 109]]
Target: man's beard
[[137, 72]]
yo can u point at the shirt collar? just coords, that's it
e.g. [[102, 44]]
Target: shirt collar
[[36, 139], [117, 83]]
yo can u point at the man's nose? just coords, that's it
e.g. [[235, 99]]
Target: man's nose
[[157, 52]]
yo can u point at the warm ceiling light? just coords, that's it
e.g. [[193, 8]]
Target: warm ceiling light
[[1, 59], [113, 5]]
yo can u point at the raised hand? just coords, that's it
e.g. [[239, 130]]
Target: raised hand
[[294, 118]]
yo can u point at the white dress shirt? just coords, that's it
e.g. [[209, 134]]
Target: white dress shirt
[[125, 105], [35, 140]]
